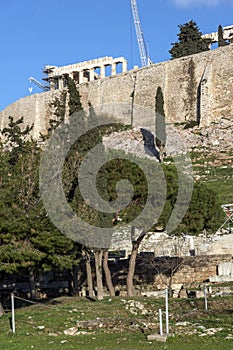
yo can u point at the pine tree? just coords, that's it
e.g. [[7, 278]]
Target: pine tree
[[80, 147], [204, 212], [16, 138], [190, 41], [87, 213], [131, 170], [28, 239]]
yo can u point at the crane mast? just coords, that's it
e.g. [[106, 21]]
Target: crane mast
[[145, 60]]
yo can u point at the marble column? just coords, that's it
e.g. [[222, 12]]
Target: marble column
[[113, 69], [60, 83], [102, 71], [91, 74], [81, 77], [124, 66], [52, 84]]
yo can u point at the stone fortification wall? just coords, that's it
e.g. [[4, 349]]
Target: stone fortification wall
[[194, 87], [35, 109]]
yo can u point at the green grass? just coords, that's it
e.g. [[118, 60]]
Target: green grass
[[223, 189], [63, 313]]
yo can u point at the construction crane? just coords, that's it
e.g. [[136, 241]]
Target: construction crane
[[40, 85], [228, 210], [145, 60]]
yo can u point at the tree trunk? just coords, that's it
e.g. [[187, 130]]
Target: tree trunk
[[32, 283], [178, 263], [89, 275], [132, 261], [75, 280], [98, 271], [161, 153], [108, 276], [170, 294]]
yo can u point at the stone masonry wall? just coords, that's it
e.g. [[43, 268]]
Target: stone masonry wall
[[197, 86], [154, 274], [35, 109]]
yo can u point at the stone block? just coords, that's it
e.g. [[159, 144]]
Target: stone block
[[225, 269], [2, 312], [221, 279], [158, 337]]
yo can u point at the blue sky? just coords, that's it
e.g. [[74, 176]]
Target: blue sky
[[59, 32]]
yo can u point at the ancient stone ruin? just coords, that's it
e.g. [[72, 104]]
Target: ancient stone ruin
[[83, 71], [227, 35]]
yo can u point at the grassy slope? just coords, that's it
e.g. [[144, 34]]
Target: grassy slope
[[223, 188], [64, 312]]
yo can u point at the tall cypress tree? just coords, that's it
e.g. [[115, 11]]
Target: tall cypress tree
[[221, 41], [74, 103], [80, 147], [160, 125]]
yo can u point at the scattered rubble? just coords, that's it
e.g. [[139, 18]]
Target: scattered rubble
[[190, 328], [135, 307]]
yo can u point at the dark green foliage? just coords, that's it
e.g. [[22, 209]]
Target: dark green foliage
[[29, 240], [204, 212], [59, 106], [27, 237], [172, 190], [91, 138], [221, 41], [119, 169], [15, 138], [60, 110], [74, 97], [190, 41], [160, 127]]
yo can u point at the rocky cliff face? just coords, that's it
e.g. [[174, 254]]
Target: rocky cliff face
[[216, 140]]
